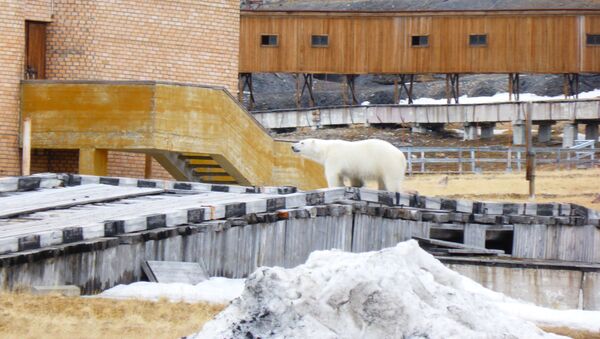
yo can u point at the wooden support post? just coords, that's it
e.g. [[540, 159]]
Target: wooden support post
[[566, 85], [297, 76], [26, 138], [530, 160], [351, 86], [571, 85], [510, 86], [452, 88], [448, 89], [308, 85], [93, 161], [396, 92], [246, 80], [514, 86], [148, 166], [344, 85], [410, 89]]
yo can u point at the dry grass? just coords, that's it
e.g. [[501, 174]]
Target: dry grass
[[575, 334], [27, 316], [574, 186]]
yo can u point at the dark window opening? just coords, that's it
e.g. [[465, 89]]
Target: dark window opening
[[500, 240], [420, 40], [447, 235], [269, 40], [593, 39], [478, 39], [320, 40]]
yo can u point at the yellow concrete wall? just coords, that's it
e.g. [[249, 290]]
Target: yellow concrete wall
[[88, 115], [149, 117]]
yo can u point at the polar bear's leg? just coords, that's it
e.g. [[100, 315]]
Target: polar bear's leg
[[334, 179], [393, 183], [356, 182], [381, 184]]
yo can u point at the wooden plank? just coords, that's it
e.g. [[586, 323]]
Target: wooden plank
[[474, 235], [30, 202], [529, 241], [442, 243], [474, 251], [174, 272]]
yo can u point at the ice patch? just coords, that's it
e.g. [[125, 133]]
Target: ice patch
[[393, 293]]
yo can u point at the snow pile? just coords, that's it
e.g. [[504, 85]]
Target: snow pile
[[214, 290], [499, 97], [394, 293]]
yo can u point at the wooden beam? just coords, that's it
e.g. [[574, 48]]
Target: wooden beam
[[26, 158], [396, 92]]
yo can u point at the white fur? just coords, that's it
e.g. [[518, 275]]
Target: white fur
[[358, 161]]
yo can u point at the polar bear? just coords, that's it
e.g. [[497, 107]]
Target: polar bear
[[358, 161]]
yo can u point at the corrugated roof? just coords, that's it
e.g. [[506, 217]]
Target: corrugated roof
[[425, 5]]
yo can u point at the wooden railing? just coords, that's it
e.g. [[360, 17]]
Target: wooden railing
[[464, 160]]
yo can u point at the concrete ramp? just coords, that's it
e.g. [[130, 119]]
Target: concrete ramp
[[197, 133]]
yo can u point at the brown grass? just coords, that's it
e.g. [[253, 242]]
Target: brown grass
[[27, 316], [575, 334], [574, 186]]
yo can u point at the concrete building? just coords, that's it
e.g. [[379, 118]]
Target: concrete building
[[181, 41]]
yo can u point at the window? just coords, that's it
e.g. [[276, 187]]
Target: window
[[420, 41], [320, 40], [593, 39], [478, 39], [269, 40]]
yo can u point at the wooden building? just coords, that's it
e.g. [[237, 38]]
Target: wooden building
[[453, 42], [414, 43]]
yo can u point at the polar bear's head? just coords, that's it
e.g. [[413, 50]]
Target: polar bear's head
[[309, 148]]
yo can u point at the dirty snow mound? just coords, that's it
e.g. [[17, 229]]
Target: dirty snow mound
[[400, 292]]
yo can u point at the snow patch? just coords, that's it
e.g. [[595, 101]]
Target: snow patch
[[393, 293], [499, 97], [214, 290]]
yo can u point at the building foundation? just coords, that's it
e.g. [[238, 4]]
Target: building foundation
[[518, 128], [487, 130], [569, 135], [544, 132]]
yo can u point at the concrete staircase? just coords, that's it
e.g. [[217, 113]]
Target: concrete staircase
[[206, 169], [200, 167]]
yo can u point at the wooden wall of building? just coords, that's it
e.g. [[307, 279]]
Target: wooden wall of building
[[359, 44]]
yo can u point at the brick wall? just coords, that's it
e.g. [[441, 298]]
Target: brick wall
[[54, 160], [171, 40]]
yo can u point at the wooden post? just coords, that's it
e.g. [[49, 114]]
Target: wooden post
[[530, 160], [460, 160], [510, 86], [396, 93], [473, 161], [410, 89], [26, 159], [448, 89], [297, 90], [148, 167]]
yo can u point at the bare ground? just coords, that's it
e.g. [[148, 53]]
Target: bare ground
[[25, 316]]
